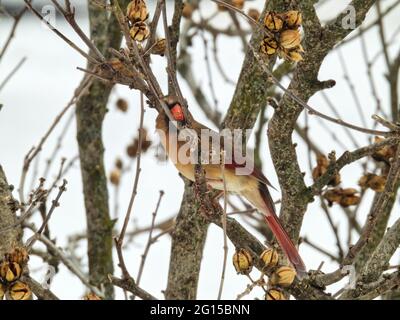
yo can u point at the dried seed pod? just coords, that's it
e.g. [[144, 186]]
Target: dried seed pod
[[349, 191], [254, 14], [115, 177], [295, 55], [140, 31], [2, 291], [146, 145], [116, 64], [332, 196], [273, 22], [290, 39], [372, 181], [292, 19], [187, 10], [384, 154], [242, 261], [270, 258], [137, 11], [269, 46], [91, 296], [119, 164], [20, 291], [284, 276], [18, 255], [350, 200], [221, 7], [132, 149], [274, 294], [159, 47], [238, 3], [122, 105], [344, 197], [322, 165], [321, 168], [10, 271]]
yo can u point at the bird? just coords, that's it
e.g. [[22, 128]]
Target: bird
[[252, 186]]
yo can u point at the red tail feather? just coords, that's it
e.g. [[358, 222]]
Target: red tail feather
[[279, 232], [286, 243]]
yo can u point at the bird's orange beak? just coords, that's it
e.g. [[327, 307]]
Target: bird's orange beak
[[177, 112]]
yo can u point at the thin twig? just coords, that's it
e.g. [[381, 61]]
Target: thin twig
[[120, 239], [58, 33], [34, 152], [30, 242], [12, 73], [223, 221], [149, 241]]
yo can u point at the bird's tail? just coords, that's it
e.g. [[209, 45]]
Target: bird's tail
[[263, 201]]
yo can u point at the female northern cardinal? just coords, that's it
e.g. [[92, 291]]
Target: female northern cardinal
[[252, 186]]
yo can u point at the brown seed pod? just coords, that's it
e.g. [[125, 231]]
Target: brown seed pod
[[270, 258], [322, 165], [254, 14], [294, 55], [284, 276], [115, 177], [91, 296], [116, 64], [137, 11], [273, 22], [122, 105], [159, 47], [140, 31], [350, 200], [372, 181], [292, 19], [290, 39], [119, 164], [132, 149], [146, 145], [274, 294], [238, 3], [10, 271], [20, 291], [18, 255], [321, 168], [187, 10], [384, 154], [269, 46], [344, 197], [242, 261], [2, 291]]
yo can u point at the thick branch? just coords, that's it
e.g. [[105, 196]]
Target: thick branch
[[318, 43], [252, 86], [188, 238], [90, 112], [7, 217]]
